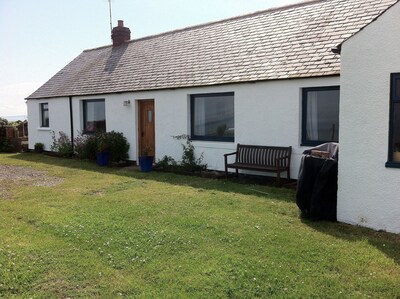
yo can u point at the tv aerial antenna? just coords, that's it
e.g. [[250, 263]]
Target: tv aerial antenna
[[109, 9]]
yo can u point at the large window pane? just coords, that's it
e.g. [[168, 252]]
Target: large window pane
[[320, 115], [213, 117], [94, 117]]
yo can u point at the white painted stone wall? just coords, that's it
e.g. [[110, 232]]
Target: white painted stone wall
[[59, 120], [369, 193], [266, 113]]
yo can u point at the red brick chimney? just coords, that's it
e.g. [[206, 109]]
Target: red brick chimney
[[120, 34]]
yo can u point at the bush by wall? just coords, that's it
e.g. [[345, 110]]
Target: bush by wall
[[62, 145], [86, 146], [189, 162], [118, 144]]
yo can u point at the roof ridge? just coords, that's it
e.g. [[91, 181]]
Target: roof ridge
[[271, 9], [258, 12]]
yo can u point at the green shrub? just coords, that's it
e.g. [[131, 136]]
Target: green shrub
[[189, 161], [6, 146], [118, 144], [62, 145], [39, 147], [86, 146], [5, 142], [167, 163]]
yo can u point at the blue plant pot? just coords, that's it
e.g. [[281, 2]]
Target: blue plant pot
[[102, 158], [146, 163]]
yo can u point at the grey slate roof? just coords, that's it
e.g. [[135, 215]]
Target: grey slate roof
[[290, 42]]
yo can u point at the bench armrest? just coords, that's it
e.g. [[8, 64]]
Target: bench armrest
[[226, 157]]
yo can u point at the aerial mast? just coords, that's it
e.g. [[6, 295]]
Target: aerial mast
[[109, 8]]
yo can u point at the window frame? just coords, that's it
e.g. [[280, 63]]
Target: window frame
[[84, 109], [304, 92], [192, 113], [393, 100], [43, 123]]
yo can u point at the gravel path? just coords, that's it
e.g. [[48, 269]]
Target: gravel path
[[23, 176]]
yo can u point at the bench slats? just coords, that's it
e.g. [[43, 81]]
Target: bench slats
[[262, 158]]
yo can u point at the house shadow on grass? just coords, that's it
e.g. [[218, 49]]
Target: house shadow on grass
[[387, 243], [243, 185]]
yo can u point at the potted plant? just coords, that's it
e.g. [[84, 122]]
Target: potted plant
[[146, 160], [103, 151], [39, 147]]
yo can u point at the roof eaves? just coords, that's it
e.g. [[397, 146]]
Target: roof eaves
[[328, 74]]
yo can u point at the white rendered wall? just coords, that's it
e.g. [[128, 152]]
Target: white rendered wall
[[59, 120], [369, 193], [119, 118], [266, 113]]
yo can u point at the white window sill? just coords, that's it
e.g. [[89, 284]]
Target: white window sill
[[43, 129]]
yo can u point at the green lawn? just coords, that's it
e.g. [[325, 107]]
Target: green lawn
[[115, 232]]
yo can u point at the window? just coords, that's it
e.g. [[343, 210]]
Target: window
[[394, 122], [94, 116], [212, 117], [44, 115], [320, 119]]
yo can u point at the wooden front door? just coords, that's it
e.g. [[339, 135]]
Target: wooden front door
[[146, 128]]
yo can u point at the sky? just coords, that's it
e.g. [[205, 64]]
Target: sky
[[40, 37]]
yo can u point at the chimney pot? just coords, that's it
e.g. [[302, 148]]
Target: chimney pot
[[120, 34]]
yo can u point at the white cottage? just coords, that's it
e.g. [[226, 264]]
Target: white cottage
[[369, 174], [268, 78]]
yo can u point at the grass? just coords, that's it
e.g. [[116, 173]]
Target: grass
[[117, 232]]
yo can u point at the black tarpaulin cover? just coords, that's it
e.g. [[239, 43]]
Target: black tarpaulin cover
[[317, 185]]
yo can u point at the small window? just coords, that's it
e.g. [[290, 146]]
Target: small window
[[320, 115], [212, 117], [394, 123], [44, 115], [94, 116]]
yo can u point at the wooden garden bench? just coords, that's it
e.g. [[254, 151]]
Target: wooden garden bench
[[261, 158]]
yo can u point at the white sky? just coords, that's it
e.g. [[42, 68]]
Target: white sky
[[39, 37]]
